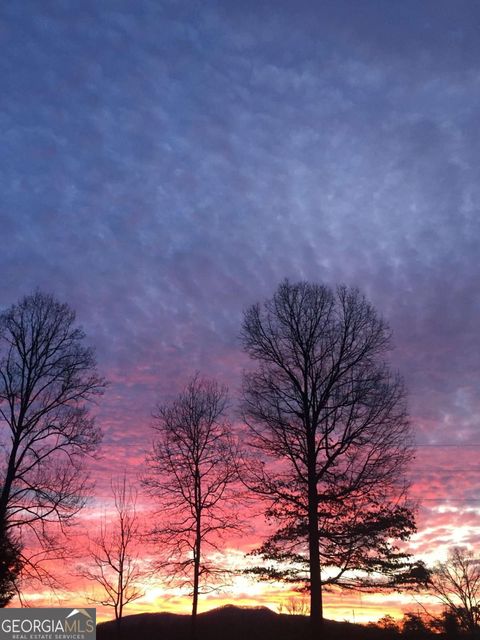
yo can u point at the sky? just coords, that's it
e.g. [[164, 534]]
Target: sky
[[164, 165]]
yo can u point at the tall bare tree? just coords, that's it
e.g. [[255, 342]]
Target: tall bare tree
[[192, 470], [330, 421], [456, 584], [47, 380], [115, 563]]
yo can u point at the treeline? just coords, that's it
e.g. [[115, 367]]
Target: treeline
[[325, 446], [418, 625]]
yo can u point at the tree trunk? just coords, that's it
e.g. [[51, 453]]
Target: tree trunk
[[316, 603], [118, 628], [196, 583], [120, 587], [7, 485], [196, 552]]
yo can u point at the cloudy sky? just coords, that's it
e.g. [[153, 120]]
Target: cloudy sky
[[166, 164]]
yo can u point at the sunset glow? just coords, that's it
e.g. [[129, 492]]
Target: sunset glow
[[166, 165]]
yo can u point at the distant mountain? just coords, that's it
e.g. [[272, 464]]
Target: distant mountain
[[230, 623]]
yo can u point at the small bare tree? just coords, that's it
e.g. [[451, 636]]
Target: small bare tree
[[192, 469], [456, 584], [295, 606], [47, 380], [116, 566]]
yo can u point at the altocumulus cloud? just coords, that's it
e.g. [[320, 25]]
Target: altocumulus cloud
[[166, 164]]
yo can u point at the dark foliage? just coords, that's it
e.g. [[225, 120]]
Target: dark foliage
[[10, 566], [414, 626]]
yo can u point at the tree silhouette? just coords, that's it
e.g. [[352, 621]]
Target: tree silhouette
[[456, 583], [329, 422], [47, 379], [10, 566], [294, 606], [389, 625], [414, 626], [115, 564], [191, 472]]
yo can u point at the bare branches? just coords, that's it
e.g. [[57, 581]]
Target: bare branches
[[117, 568], [47, 379], [191, 472], [456, 584], [323, 404]]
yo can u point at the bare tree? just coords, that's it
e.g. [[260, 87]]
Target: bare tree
[[328, 420], [295, 606], [117, 568], [47, 379], [456, 584], [192, 469]]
